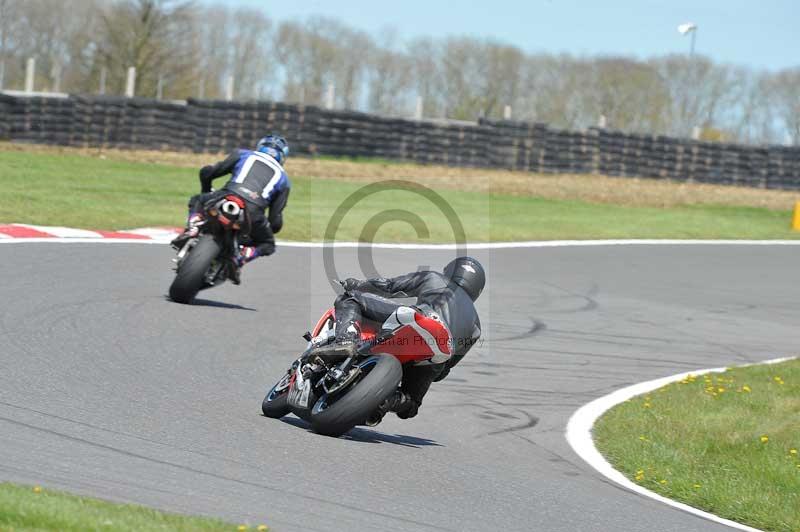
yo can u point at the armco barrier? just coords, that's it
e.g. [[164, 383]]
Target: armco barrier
[[219, 126]]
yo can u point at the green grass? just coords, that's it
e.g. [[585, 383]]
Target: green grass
[[728, 443], [88, 192], [24, 508]]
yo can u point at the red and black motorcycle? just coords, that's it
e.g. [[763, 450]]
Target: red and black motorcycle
[[209, 258], [336, 395]]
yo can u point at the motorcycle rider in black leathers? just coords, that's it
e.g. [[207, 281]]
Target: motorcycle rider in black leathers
[[258, 177], [447, 296]]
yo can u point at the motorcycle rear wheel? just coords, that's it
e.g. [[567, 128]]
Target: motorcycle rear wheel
[[336, 416], [192, 271]]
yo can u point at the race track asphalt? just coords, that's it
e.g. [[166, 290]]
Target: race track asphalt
[[108, 389]]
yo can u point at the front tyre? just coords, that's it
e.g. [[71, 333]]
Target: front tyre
[[335, 416], [192, 271], [275, 404]]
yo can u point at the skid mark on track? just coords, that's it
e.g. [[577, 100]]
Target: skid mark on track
[[590, 303], [537, 326]]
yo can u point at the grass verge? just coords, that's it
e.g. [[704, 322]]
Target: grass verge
[[82, 191], [24, 508], [727, 443]]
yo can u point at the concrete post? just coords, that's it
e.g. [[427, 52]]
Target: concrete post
[[602, 122], [30, 70], [160, 87], [57, 77], [130, 83], [507, 112], [103, 74], [2, 73], [696, 132], [418, 111], [330, 96], [229, 88]]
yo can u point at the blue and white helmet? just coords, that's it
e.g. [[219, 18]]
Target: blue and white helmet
[[275, 146]]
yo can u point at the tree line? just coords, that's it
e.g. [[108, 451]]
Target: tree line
[[187, 49]]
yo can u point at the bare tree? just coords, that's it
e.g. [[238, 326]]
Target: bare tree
[[307, 56], [155, 37], [191, 48], [251, 53], [424, 54], [8, 12], [783, 92], [390, 78]]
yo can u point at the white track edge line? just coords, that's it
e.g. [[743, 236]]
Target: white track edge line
[[443, 247], [579, 437]]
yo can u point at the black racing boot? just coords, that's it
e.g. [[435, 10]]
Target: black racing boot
[[235, 274], [343, 346], [397, 402], [191, 230]]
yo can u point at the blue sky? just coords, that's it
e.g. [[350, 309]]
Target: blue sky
[[760, 34]]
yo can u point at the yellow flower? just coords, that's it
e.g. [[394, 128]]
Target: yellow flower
[[37, 489], [242, 528], [262, 528], [647, 405], [746, 388], [793, 452], [764, 438], [721, 389], [662, 481], [697, 486]]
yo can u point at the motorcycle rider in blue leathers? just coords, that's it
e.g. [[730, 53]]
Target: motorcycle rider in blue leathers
[[258, 177]]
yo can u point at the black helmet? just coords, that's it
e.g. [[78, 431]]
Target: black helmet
[[275, 146], [467, 273]]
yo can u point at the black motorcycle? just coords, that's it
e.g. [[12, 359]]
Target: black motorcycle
[[209, 259]]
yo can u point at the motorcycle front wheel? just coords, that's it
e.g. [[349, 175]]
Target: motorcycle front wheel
[[275, 404]]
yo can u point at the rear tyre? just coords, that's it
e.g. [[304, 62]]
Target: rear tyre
[[383, 374], [275, 404], [192, 271]]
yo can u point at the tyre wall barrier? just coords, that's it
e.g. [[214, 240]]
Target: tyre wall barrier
[[211, 126]]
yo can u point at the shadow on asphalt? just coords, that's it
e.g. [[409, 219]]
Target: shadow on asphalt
[[370, 436], [215, 304]]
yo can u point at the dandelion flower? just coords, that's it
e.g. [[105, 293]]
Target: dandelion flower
[[746, 388], [764, 438], [697, 486], [662, 481], [721, 389], [242, 528], [262, 528], [793, 452], [37, 489]]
